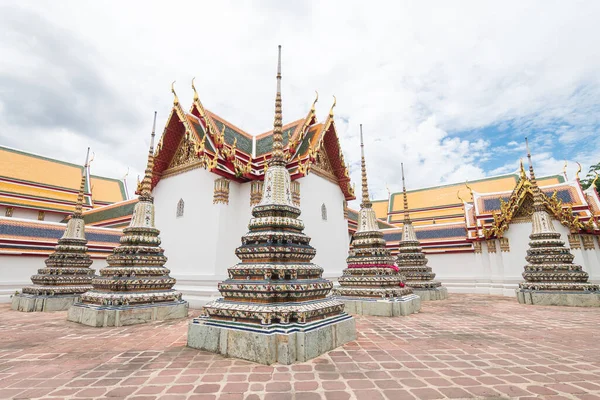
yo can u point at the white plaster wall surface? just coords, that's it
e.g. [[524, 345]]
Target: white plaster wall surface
[[330, 237]]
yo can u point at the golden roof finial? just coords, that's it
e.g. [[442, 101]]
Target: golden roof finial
[[537, 193], [332, 107], [578, 171], [79, 205], [522, 172], [194, 89], [593, 185], [146, 186], [312, 108], [175, 99], [405, 196], [366, 203], [470, 189]]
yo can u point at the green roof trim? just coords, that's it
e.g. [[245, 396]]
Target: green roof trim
[[200, 129], [265, 144], [244, 143], [113, 212]]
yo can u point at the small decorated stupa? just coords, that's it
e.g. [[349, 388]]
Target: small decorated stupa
[[413, 263], [551, 278], [136, 286], [67, 274], [275, 307], [372, 285]]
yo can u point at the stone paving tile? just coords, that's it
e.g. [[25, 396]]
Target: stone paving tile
[[470, 346]]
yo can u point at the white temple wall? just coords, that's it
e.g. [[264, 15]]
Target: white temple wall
[[329, 237], [16, 271], [200, 245]]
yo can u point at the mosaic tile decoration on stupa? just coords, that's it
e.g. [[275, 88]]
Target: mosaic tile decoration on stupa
[[67, 273], [550, 276], [371, 274], [275, 290], [135, 287]]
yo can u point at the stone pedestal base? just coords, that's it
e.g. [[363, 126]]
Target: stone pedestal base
[[30, 302], [438, 293], [100, 316], [556, 298], [399, 306], [284, 344]]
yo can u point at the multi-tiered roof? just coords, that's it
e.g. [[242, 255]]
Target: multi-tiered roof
[[275, 283], [411, 260], [68, 269], [371, 272], [136, 274], [550, 265]]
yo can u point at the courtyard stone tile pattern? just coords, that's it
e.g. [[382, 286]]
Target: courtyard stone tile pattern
[[470, 346]]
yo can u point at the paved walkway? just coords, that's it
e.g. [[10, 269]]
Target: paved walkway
[[470, 346]]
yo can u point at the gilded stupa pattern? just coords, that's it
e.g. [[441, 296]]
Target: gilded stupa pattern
[[411, 260], [136, 274], [68, 269], [550, 264], [371, 272], [275, 282]]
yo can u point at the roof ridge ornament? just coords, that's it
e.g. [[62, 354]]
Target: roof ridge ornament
[[332, 107], [196, 98], [312, 108], [578, 171], [175, 98]]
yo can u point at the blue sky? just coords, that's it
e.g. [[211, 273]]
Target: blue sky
[[449, 88]]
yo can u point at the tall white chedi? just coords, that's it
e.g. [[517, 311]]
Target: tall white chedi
[[551, 278], [67, 273], [412, 261], [275, 306]]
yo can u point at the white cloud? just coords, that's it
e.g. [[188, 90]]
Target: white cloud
[[410, 72]]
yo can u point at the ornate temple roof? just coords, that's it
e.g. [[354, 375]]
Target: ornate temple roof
[[116, 215], [37, 182], [201, 138], [27, 237]]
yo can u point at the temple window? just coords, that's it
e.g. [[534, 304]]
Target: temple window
[[8, 212], [41, 215], [180, 206], [323, 212]]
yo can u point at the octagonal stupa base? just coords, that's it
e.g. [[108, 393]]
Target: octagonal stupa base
[[276, 343], [392, 307], [43, 303], [558, 298], [430, 294], [101, 316]]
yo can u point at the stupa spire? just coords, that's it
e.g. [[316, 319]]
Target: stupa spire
[[366, 203], [277, 156], [411, 260], [404, 196], [79, 205], [146, 188]]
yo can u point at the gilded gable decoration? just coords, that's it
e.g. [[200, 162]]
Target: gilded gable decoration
[[8, 212], [588, 242], [574, 241], [296, 193], [187, 152], [256, 188], [221, 194], [504, 245]]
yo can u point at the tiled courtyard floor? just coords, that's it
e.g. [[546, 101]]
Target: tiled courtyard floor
[[470, 346]]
